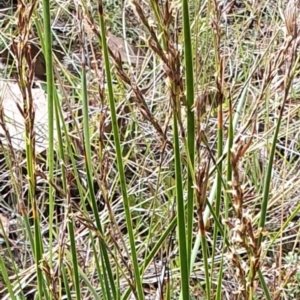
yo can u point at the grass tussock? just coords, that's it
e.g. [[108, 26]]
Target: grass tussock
[[149, 150]]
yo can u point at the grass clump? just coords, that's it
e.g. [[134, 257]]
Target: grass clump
[[169, 158]]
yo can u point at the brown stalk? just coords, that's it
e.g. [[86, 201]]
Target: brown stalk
[[138, 93], [25, 66], [244, 234], [202, 176]]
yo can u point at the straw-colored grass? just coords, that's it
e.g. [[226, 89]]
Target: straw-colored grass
[[163, 160]]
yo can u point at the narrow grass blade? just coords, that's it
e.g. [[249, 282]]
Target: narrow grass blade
[[126, 203], [189, 81]]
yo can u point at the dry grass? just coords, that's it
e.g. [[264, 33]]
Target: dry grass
[[245, 52]]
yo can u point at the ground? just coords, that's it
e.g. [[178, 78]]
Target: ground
[[246, 85]]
